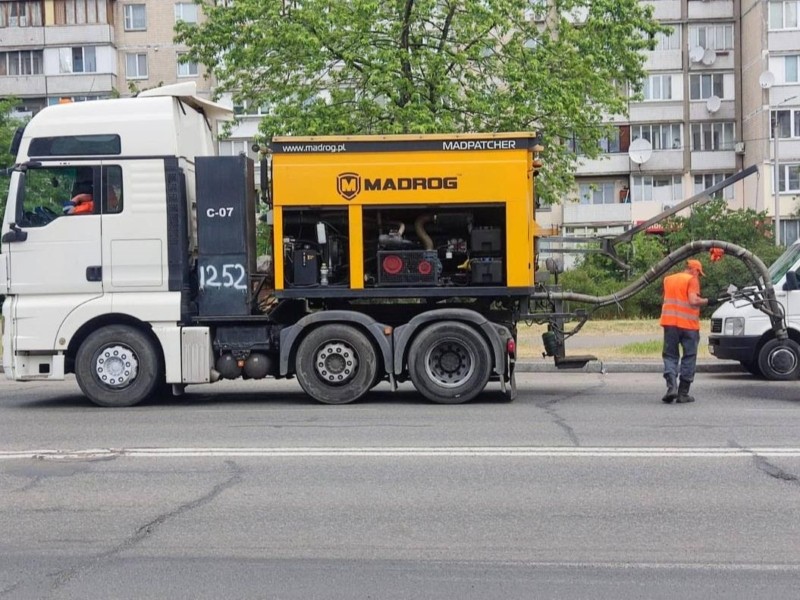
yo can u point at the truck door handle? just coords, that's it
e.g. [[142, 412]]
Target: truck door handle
[[14, 235], [94, 273]]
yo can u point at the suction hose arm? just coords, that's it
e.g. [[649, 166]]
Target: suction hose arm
[[756, 266]]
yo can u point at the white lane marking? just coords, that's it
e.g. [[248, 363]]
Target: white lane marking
[[466, 451]]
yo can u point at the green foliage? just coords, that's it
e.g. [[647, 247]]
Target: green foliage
[[414, 66], [599, 275], [8, 125]]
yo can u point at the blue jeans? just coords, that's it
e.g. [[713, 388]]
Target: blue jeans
[[676, 338]]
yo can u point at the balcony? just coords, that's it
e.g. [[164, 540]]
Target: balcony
[[18, 38], [79, 84], [667, 10], [664, 60], [698, 111], [664, 161], [608, 164], [78, 35], [670, 111], [23, 86], [710, 9], [596, 214], [721, 160]]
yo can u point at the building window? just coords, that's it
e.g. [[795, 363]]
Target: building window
[[716, 37], [790, 64], [658, 87], [788, 123], [136, 66], [80, 12], [135, 17], [666, 136], [702, 87], [186, 12], [671, 40], [703, 182], [666, 189], [712, 136], [783, 15], [21, 14], [597, 193], [789, 178], [21, 62], [78, 59], [186, 69], [612, 143], [235, 147], [51, 100]]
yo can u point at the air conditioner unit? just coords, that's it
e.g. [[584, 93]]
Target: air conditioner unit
[[738, 147]]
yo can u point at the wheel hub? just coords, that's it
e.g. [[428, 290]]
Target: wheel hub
[[116, 366], [336, 362], [449, 363], [783, 360]]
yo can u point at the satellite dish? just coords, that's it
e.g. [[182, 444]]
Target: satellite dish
[[709, 56], [766, 80], [713, 104], [640, 151], [696, 53]]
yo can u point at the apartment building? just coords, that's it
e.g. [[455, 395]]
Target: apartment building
[[706, 113], [147, 56], [52, 50]]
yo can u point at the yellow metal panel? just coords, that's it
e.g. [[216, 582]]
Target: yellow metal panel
[[397, 178], [356, 248], [277, 247]]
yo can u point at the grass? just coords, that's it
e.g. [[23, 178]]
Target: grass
[[606, 339]]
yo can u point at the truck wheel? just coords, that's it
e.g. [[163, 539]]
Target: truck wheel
[[779, 360], [116, 366], [336, 364], [449, 362]]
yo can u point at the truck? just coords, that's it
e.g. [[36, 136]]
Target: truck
[[741, 332], [385, 259]]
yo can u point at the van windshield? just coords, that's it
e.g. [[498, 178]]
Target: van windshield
[[784, 262]]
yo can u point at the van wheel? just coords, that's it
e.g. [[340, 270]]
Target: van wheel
[[449, 362], [336, 364], [117, 365], [779, 360]]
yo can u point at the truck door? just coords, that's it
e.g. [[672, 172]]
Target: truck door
[[57, 247]]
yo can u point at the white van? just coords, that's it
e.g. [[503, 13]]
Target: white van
[[739, 331]]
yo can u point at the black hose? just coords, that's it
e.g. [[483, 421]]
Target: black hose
[[756, 266]]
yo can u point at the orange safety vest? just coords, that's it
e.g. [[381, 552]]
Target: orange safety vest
[[676, 310], [84, 204]]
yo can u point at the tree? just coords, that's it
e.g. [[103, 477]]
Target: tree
[[8, 125], [414, 66]]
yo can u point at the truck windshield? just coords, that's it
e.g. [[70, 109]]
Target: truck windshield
[[784, 262]]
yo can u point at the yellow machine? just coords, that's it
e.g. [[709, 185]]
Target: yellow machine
[[420, 215]]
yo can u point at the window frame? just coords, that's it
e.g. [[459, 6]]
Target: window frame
[[138, 75], [132, 17]]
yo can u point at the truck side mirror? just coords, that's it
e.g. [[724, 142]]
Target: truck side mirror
[[791, 281], [19, 207]]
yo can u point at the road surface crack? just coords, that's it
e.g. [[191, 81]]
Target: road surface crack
[[770, 469], [63, 577], [549, 406]]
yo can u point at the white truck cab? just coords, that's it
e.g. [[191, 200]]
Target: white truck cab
[[741, 332]]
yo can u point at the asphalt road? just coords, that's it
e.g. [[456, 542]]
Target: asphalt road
[[586, 487]]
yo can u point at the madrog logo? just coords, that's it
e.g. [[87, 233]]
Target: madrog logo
[[348, 185]]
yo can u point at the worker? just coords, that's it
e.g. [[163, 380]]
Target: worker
[[680, 318], [82, 202]]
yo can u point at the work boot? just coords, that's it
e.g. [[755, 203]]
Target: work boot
[[672, 393], [683, 393]]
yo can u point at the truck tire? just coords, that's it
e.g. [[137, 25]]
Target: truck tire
[[779, 360], [449, 362], [336, 364], [116, 366]]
